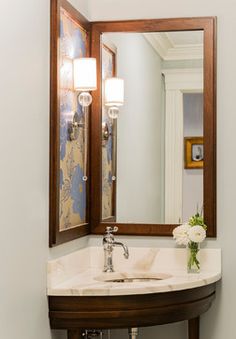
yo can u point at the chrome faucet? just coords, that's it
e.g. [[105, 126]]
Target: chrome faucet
[[108, 244]]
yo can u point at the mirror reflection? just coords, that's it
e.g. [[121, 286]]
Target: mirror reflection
[[152, 146]]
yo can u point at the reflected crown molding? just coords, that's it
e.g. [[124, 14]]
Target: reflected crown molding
[[186, 80], [163, 45]]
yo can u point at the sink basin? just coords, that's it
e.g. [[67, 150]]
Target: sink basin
[[129, 277]]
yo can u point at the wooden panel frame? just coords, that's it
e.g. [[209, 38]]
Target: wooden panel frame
[[55, 236], [208, 25]]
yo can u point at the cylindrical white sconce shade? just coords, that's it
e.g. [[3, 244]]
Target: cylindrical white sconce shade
[[114, 92], [85, 74]]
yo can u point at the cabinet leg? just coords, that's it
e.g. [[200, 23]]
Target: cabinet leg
[[193, 328], [74, 334]]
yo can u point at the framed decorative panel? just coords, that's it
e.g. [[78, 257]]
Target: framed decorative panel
[[109, 135], [68, 156]]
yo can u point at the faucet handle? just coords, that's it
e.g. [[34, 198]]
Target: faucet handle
[[110, 229]]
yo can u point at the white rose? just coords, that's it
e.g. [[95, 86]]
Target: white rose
[[196, 233], [180, 234]]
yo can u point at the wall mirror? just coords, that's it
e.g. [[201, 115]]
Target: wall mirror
[[154, 164]]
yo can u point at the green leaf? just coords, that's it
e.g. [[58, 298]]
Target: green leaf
[[197, 219]]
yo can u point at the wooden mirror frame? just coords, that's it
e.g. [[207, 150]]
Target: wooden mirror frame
[[206, 24]]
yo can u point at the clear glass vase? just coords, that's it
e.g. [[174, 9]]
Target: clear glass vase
[[193, 257]]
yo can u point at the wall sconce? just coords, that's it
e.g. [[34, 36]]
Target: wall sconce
[[85, 80], [114, 96]]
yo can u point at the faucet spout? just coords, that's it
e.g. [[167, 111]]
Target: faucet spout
[[125, 248], [108, 244]]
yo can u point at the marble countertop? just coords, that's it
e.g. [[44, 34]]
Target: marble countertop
[[79, 273]]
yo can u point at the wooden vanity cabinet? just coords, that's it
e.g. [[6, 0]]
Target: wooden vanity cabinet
[[75, 313]]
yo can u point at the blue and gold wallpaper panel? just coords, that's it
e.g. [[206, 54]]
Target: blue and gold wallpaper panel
[[73, 44], [108, 184]]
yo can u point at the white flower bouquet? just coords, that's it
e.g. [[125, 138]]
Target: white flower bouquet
[[191, 234]]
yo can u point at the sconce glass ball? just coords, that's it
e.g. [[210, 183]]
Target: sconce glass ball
[[113, 112], [85, 99]]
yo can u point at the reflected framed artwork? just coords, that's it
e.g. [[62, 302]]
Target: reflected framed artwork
[[194, 152]]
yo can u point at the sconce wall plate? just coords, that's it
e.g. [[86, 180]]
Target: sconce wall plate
[[73, 127], [105, 133]]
